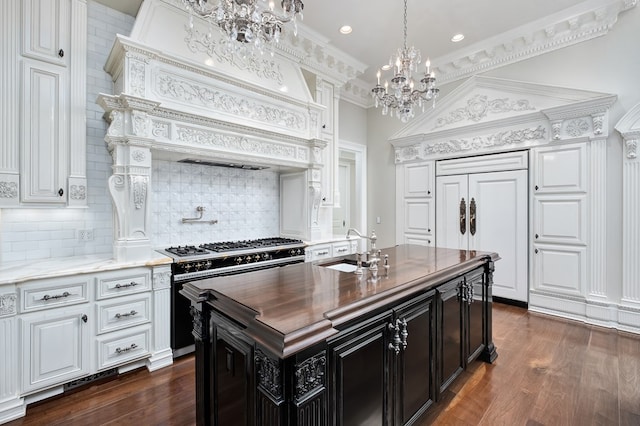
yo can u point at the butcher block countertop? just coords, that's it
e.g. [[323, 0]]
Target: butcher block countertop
[[290, 308]]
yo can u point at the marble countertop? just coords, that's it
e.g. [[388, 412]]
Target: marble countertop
[[17, 272]]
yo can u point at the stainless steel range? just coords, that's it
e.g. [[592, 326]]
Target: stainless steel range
[[192, 263]]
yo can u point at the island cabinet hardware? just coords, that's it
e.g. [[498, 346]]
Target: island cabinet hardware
[[311, 345]]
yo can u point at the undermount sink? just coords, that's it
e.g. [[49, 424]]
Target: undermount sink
[[341, 266]]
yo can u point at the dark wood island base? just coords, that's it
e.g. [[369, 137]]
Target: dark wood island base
[[309, 345]]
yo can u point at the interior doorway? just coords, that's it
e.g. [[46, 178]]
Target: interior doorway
[[351, 212]]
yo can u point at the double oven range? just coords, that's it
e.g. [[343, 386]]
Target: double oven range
[[192, 263]]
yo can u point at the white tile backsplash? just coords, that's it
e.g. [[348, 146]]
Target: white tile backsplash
[[244, 202]]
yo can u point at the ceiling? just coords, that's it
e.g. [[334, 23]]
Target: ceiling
[[377, 24]]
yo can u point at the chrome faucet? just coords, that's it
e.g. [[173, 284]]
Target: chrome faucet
[[373, 238], [373, 256]]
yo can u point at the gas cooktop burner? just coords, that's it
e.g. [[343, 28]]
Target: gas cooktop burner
[[186, 251], [249, 244]]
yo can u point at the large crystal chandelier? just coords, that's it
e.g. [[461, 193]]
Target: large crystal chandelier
[[404, 96], [245, 22]]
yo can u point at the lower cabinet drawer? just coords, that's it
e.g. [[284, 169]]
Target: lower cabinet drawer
[[322, 252], [123, 312], [123, 282], [121, 347], [46, 294]]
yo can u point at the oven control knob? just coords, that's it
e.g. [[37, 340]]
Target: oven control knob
[[265, 256], [208, 264], [256, 258], [239, 260]]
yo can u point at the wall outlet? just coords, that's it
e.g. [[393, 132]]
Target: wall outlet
[[85, 234]]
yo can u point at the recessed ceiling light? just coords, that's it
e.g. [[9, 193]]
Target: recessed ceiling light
[[458, 37], [386, 67], [346, 29]]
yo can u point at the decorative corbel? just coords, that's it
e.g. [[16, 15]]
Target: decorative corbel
[[598, 123], [556, 129], [632, 148]]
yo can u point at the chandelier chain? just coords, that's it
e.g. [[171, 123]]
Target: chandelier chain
[[402, 96]]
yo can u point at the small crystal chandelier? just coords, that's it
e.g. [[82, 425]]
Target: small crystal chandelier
[[403, 96], [244, 22]]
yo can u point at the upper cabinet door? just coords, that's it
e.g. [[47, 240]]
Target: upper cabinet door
[[418, 180], [560, 169], [45, 30], [44, 133]]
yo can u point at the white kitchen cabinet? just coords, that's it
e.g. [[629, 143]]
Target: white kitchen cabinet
[[489, 212], [74, 326], [55, 347], [45, 140], [45, 134], [560, 219], [415, 207], [332, 249], [327, 95], [45, 30]]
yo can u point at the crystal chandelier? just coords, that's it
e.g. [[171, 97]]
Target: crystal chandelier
[[243, 21], [403, 96]]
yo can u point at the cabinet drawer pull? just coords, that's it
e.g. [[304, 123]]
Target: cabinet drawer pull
[[322, 253], [131, 284], [127, 349], [46, 297], [342, 250], [127, 314]]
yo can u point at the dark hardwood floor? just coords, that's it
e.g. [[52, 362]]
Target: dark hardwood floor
[[549, 371]]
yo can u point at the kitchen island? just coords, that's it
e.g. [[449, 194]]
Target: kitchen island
[[308, 344]]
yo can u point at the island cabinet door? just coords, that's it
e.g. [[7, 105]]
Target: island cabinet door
[[450, 348], [233, 380], [473, 302], [360, 390], [414, 363]]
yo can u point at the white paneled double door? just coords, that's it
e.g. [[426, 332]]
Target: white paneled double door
[[488, 212]]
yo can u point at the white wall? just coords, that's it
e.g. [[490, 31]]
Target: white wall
[[352, 126], [609, 64]]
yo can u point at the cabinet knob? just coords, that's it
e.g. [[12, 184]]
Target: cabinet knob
[[84, 318], [429, 192], [61, 192], [324, 126], [536, 251], [61, 53], [537, 236], [536, 187]]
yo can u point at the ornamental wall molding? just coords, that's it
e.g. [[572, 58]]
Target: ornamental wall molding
[[190, 92], [8, 304], [500, 140], [479, 107], [632, 148], [557, 31], [161, 278], [126, 49], [217, 48], [8, 190], [77, 192]]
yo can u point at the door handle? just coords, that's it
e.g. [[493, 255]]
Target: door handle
[[463, 216], [472, 217]]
